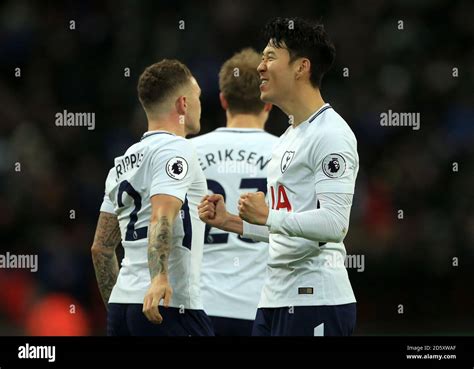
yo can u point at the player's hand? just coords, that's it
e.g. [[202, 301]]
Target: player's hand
[[253, 208], [212, 210], [158, 290]]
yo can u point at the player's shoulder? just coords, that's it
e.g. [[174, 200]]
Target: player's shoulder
[[270, 137], [162, 138], [150, 141], [203, 139], [111, 179], [331, 126], [168, 143]]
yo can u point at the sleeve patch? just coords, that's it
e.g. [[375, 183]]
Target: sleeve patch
[[334, 165], [177, 168]]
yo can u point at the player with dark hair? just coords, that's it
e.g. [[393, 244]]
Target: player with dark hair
[[311, 180], [150, 205]]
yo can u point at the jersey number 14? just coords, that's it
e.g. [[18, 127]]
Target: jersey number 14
[[282, 201]]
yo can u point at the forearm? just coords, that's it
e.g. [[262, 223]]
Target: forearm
[[159, 246], [327, 224], [233, 223], [106, 270], [106, 239]]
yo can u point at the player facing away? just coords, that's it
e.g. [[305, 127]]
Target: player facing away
[[150, 205], [311, 179], [235, 160]]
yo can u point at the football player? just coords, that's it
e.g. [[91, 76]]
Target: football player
[[311, 180], [235, 159], [150, 205]]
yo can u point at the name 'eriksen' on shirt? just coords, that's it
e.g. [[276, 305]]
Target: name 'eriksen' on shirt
[[252, 158]]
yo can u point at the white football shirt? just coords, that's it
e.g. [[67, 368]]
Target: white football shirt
[[318, 156], [161, 163], [234, 161]]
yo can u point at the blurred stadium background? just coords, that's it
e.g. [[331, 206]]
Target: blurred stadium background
[[408, 261]]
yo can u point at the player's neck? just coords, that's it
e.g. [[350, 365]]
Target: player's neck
[[168, 125], [307, 100], [244, 121]]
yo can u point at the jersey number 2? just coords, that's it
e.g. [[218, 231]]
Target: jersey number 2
[[132, 234]]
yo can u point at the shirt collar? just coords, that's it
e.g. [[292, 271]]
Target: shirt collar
[[156, 132], [313, 116]]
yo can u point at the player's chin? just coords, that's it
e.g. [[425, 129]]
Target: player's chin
[[265, 97]]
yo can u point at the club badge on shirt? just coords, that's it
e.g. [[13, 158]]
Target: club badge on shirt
[[286, 160], [334, 165], [177, 168]]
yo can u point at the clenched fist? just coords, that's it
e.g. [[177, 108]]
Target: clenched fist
[[212, 210], [253, 208]]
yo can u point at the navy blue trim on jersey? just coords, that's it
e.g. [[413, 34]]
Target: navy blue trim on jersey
[[187, 225], [319, 113], [318, 206], [224, 129], [156, 133]]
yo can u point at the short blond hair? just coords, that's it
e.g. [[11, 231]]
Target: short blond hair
[[239, 82]]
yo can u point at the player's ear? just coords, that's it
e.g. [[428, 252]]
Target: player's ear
[[303, 66], [181, 105], [224, 103], [267, 107]]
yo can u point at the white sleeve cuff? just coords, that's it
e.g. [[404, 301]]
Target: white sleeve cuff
[[255, 232], [275, 220]]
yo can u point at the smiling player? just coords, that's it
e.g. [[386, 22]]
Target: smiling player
[[311, 180]]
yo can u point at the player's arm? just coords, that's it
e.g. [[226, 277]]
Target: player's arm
[[107, 238], [213, 212], [329, 223], [164, 211], [172, 169]]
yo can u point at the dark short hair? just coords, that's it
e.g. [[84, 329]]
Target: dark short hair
[[303, 38], [239, 82], [160, 80]]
